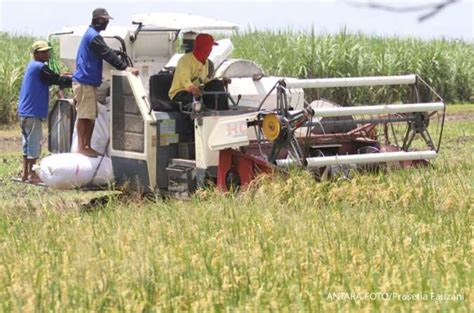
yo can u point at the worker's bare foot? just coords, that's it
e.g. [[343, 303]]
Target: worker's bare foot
[[89, 152], [34, 179]]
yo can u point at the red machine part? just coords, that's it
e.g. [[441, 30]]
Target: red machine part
[[243, 167]]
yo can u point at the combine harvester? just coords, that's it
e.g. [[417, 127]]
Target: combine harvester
[[269, 125]]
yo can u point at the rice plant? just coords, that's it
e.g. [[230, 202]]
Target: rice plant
[[287, 243]]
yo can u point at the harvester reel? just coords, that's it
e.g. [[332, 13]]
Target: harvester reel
[[417, 123], [418, 126]]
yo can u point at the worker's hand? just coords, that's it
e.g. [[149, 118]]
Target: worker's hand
[[132, 70], [194, 90], [226, 80], [67, 74]]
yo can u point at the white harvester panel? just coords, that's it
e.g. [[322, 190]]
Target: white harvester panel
[[238, 68], [133, 132], [221, 130], [183, 21], [253, 92]]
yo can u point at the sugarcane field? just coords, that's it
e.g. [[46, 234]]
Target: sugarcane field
[[165, 160]]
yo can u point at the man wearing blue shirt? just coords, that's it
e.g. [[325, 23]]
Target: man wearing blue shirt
[[33, 105], [88, 76]]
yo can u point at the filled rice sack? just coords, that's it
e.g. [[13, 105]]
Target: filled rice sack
[[73, 170]]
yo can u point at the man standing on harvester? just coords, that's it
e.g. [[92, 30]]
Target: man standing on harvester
[[88, 76]]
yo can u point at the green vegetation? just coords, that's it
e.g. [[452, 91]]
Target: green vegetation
[[447, 65], [14, 56], [15, 53], [288, 243]]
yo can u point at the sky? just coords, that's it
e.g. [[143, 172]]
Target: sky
[[40, 18]]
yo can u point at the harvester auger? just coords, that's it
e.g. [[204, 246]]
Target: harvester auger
[[327, 139]]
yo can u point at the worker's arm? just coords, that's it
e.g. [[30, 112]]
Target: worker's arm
[[53, 78], [183, 75], [99, 47]]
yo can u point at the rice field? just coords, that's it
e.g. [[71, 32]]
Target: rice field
[[393, 241]]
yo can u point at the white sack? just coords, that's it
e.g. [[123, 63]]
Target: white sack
[[101, 135], [71, 170]]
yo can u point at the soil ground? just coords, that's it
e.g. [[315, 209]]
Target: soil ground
[[10, 138]]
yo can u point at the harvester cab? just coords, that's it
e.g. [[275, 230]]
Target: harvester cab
[[156, 145]]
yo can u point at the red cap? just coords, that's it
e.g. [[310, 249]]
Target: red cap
[[205, 40]]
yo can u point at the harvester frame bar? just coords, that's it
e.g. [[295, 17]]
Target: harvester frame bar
[[351, 81], [367, 158], [379, 109], [391, 119]]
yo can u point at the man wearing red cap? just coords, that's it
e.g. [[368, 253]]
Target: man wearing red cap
[[192, 71]]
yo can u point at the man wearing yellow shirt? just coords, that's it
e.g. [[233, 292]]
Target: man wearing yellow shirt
[[192, 71]]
